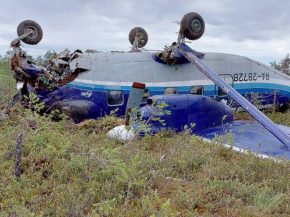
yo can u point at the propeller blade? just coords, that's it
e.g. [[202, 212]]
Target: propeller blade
[[256, 113], [135, 99]]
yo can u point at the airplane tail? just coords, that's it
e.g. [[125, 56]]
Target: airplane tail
[[257, 114]]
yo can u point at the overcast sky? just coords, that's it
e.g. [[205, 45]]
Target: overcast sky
[[257, 29]]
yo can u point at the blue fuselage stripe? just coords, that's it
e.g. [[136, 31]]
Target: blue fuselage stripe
[[209, 90]]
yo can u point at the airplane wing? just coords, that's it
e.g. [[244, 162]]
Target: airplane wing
[[249, 135]]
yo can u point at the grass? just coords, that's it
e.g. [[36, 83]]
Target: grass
[[277, 117], [74, 170], [7, 82]]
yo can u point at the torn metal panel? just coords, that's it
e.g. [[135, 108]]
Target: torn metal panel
[[56, 73], [82, 62], [171, 56]]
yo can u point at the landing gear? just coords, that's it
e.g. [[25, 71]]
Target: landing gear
[[192, 26], [29, 32], [138, 38]]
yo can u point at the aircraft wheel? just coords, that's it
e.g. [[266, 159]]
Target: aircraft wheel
[[192, 26], [142, 33], [29, 25]]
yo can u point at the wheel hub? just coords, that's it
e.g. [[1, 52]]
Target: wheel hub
[[196, 25], [32, 30]]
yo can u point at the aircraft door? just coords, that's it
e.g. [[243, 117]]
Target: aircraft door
[[227, 78]]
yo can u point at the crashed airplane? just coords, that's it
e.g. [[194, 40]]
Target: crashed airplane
[[93, 84]]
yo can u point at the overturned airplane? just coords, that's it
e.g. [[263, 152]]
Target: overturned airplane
[[92, 84]]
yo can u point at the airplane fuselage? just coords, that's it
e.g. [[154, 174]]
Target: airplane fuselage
[[108, 78]]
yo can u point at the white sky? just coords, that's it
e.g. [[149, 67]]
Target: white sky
[[256, 29]]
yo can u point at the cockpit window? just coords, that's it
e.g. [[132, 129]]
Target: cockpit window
[[197, 90], [115, 97], [170, 90]]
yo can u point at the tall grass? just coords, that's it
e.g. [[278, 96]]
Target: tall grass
[[7, 82], [72, 170]]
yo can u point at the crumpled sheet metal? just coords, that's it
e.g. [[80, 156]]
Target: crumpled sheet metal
[[171, 55], [58, 71]]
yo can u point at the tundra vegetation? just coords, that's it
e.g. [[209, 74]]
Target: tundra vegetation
[[283, 65], [74, 170]]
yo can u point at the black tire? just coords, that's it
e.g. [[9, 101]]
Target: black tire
[[27, 25], [141, 31], [192, 26]]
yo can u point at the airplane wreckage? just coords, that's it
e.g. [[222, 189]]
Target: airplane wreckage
[[196, 88]]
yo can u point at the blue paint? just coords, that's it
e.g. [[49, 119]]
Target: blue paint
[[209, 90], [74, 90], [178, 59], [210, 117], [249, 135], [191, 111], [32, 70], [213, 120]]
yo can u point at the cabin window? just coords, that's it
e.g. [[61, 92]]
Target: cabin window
[[170, 90], [115, 97], [197, 90], [146, 95]]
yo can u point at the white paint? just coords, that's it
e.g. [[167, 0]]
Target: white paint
[[121, 133], [87, 94], [19, 85]]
